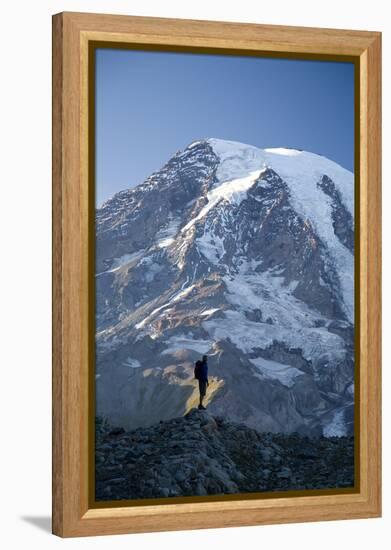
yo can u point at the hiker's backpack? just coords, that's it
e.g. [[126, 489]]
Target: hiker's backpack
[[197, 370]]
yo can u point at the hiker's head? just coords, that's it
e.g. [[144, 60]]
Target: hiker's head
[[204, 358]]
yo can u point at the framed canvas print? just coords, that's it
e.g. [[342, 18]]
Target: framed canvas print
[[216, 274]]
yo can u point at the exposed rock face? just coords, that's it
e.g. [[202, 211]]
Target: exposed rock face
[[342, 219], [243, 254], [200, 454]]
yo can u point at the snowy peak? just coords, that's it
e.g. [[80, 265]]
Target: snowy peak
[[319, 204], [238, 159], [242, 253]]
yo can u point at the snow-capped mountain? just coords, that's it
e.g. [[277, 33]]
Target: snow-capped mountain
[[244, 254]]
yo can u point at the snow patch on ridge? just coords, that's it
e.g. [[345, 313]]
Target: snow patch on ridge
[[316, 343], [233, 191], [284, 151], [237, 160], [211, 246], [186, 342], [123, 260], [176, 298], [132, 363], [208, 312], [166, 236], [285, 374], [249, 289]]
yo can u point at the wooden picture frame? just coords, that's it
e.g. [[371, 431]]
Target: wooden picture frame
[[73, 34]]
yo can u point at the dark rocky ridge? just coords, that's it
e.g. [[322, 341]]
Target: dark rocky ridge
[[200, 454], [342, 219]]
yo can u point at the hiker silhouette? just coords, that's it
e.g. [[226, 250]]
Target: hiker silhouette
[[201, 374]]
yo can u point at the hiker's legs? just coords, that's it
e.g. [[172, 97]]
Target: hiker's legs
[[202, 388]]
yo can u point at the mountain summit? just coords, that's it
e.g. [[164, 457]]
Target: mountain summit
[[242, 253]]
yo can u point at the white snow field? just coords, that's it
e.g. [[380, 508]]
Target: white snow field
[[241, 164]]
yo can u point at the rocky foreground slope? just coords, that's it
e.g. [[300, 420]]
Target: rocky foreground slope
[[200, 454]]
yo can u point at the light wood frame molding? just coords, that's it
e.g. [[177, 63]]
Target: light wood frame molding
[[73, 514]]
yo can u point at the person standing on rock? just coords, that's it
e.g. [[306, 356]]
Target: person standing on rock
[[201, 374]]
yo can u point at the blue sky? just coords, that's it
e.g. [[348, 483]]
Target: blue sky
[[150, 104]]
